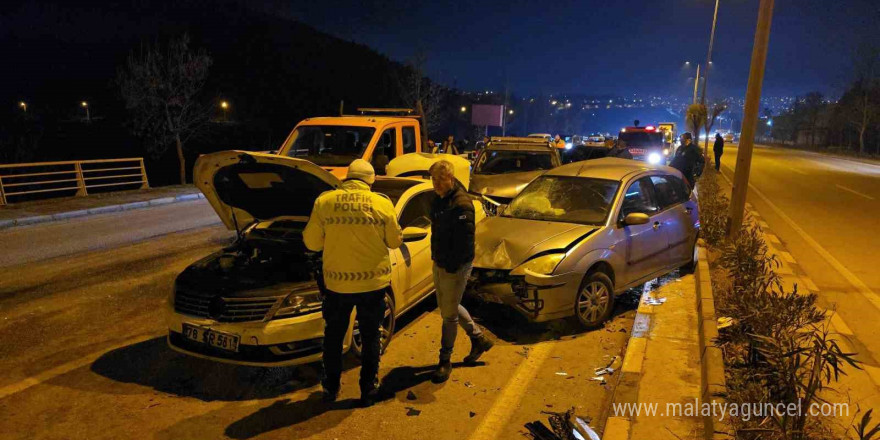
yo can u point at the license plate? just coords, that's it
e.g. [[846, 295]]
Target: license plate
[[221, 340]]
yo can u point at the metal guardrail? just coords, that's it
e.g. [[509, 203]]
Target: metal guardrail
[[22, 179]]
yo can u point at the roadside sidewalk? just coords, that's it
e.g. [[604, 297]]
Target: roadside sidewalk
[[50, 210], [668, 365]]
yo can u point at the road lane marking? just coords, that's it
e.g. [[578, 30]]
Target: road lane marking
[[496, 419], [68, 367], [799, 171], [854, 192], [840, 268]]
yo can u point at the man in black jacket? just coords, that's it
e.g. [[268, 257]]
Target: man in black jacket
[[718, 148], [452, 249], [687, 159]]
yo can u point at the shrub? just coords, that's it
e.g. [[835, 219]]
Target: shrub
[[713, 208]]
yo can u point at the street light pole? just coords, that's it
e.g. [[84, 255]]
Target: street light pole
[[709, 54], [696, 83], [750, 119], [85, 105]]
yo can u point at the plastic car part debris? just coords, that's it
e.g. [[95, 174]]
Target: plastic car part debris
[[472, 414], [563, 424], [725, 321], [468, 384], [410, 411], [600, 379], [651, 301], [585, 430], [604, 371], [540, 432], [561, 373], [410, 395]]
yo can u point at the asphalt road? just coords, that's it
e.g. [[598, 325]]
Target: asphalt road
[[83, 353], [825, 211]]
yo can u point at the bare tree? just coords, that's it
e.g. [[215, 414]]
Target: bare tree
[[417, 90], [862, 102], [695, 117], [161, 86], [717, 108]]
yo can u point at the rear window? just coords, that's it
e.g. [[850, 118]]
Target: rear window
[[641, 139]]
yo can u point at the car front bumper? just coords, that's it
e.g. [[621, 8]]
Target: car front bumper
[[283, 342], [538, 297]]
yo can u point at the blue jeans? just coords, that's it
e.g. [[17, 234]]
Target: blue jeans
[[450, 288]]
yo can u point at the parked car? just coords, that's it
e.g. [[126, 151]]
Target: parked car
[[257, 302], [596, 140], [507, 165], [646, 144], [333, 142], [582, 233]]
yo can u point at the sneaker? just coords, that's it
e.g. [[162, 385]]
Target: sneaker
[[479, 345], [441, 374]]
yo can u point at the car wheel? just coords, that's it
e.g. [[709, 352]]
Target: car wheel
[[386, 329], [691, 266], [595, 300]]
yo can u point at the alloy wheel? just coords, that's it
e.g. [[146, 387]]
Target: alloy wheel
[[592, 302]]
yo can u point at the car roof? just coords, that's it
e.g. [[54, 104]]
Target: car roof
[[361, 121], [610, 168]]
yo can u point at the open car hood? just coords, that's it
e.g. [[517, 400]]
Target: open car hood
[[244, 186]]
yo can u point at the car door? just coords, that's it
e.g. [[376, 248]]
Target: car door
[[645, 244], [414, 269], [675, 217]]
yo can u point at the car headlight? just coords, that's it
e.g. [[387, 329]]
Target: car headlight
[[654, 158], [299, 303], [568, 146], [666, 151], [544, 265]]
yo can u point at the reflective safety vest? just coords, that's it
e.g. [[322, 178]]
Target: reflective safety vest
[[354, 227]]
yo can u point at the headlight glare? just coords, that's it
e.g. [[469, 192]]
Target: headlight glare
[[654, 158]]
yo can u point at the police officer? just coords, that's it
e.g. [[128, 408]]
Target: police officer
[[452, 249], [354, 227]]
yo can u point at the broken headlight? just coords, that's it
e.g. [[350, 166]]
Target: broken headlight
[[299, 303], [544, 265]]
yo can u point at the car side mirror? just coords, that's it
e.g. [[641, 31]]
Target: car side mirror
[[636, 218], [412, 233]]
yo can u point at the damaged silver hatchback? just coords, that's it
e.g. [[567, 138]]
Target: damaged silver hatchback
[[583, 233]]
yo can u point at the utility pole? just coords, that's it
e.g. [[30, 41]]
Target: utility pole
[[709, 54], [750, 119], [696, 83]]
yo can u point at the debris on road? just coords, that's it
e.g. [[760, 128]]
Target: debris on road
[[410, 395], [472, 414], [410, 411], [540, 431], [651, 301], [525, 352], [725, 321], [604, 371], [468, 384], [561, 373], [600, 379], [584, 429]]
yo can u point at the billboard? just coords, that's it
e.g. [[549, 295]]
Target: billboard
[[487, 115]]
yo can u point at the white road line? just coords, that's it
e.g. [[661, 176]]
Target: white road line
[[840, 268], [496, 419], [67, 367], [854, 192]]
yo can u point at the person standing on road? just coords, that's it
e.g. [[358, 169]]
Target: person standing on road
[[620, 150], [687, 158], [354, 227], [452, 249], [558, 142], [447, 147], [718, 148]]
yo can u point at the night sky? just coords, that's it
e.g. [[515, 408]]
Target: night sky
[[616, 47]]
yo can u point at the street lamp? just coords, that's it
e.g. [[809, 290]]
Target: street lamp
[[709, 54], [510, 112], [23, 106], [463, 109], [85, 105], [225, 106]]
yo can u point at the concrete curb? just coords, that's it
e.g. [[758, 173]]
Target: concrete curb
[[25, 221], [712, 380]]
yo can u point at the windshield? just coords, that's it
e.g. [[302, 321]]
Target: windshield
[[330, 145], [641, 139], [513, 161], [565, 199]]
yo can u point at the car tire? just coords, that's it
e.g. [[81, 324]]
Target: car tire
[[691, 266], [386, 329], [594, 300]]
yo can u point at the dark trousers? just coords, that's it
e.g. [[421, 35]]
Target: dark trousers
[[717, 161], [337, 309]]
